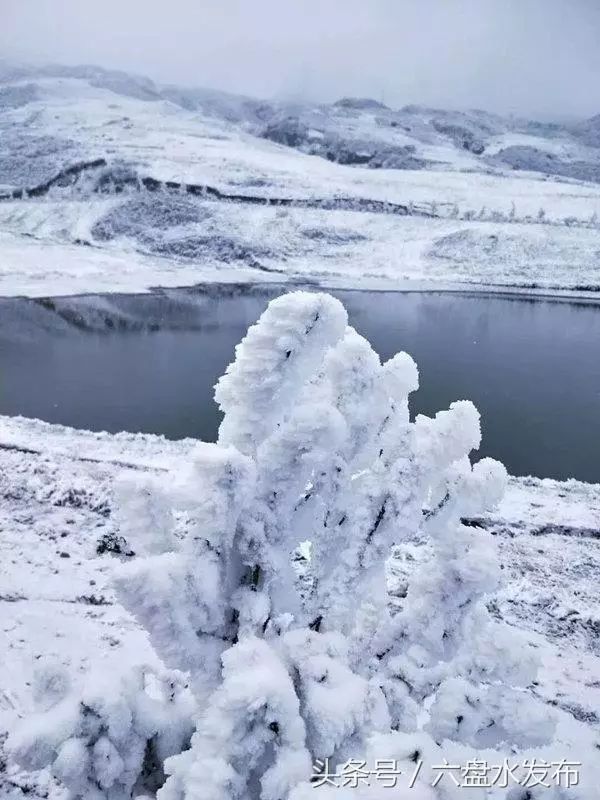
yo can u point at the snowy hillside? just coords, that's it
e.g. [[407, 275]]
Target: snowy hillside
[[135, 185]]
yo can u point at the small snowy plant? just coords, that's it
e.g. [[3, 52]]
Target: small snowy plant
[[300, 664], [110, 739]]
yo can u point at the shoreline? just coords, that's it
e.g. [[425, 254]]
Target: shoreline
[[241, 280]]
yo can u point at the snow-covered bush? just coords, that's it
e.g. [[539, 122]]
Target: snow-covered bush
[[295, 672], [111, 738]]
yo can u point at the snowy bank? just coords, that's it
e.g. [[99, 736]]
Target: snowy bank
[[56, 497]]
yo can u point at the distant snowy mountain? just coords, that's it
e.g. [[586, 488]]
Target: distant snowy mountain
[[349, 131], [172, 186], [365, 131]]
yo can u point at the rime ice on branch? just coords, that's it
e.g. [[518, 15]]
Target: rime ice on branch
[[288, 667]]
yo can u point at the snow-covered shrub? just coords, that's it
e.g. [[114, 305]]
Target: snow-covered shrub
[[109, 739], [300, 670], [145, 213]]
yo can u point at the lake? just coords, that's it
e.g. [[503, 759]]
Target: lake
[[148, 363]]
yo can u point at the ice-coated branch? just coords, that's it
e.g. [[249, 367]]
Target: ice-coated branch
[[276, 358]]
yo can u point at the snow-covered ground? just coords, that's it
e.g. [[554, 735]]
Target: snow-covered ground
[[57, 601], [39, 255]]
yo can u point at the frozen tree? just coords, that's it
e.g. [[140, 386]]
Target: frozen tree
[[293, 669]]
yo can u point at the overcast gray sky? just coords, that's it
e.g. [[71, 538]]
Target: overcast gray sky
[[540, 57]]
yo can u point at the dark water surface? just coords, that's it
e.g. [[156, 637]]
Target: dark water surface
[[532, 367]]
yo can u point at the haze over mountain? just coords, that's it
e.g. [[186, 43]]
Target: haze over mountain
[[538, 57]]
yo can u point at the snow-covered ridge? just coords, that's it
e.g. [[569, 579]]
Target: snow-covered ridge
[[466, 221], [351, 130]]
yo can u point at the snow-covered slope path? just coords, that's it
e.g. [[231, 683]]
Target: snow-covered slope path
[[56, 599], [48, 249]]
